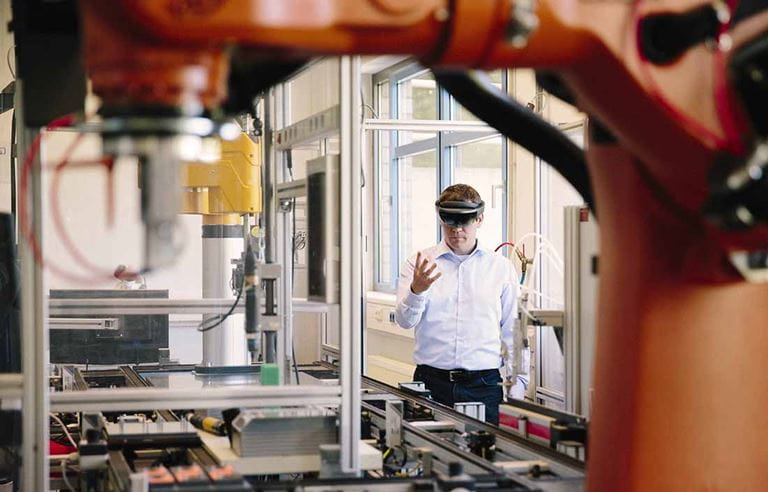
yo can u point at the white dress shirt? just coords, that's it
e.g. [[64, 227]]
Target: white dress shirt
[[465, 319]]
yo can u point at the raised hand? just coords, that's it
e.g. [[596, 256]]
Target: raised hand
[[422, 274]]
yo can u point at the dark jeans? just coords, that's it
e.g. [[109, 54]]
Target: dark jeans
[[485, 389]]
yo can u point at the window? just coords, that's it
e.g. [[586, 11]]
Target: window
[[425, 149]]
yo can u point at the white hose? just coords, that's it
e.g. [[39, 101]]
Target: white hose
[[64, 428]]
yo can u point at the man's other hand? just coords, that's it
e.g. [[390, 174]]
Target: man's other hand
[[422, 274]]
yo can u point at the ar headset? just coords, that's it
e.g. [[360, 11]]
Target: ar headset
[[459, 214]]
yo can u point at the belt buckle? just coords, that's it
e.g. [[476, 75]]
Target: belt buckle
[[455, 376]]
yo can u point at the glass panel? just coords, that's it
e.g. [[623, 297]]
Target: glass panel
[[417, 98], [479, 164], [557, 193], [457, 110], [405, 138], [417, 181], [382, 100], [384, 212]]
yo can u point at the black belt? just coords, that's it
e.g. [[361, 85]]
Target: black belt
[[456, 375]]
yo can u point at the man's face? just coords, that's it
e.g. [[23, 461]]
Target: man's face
[[461, 239]]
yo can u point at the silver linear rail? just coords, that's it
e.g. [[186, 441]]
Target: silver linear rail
[[131, 399], [292, 189], [427, 125], [547, 317], [323, 124], [112, 307], [83, 324]]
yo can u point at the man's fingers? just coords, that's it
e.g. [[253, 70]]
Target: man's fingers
[[432, 280], [431, 269], [417, 268], [421, 262]]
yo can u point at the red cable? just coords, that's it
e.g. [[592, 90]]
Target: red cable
[[502, 245], [56, 211], [24, 223]]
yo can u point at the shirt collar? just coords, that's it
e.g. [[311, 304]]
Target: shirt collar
[[443, 249]]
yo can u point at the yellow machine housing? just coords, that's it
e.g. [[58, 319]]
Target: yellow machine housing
[[232, 185]]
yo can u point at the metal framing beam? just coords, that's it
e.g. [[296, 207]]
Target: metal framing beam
[[107, 307], [129, 399], [351, 262], [429, 125], [34, 336]]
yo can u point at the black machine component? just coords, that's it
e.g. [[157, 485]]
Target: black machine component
[[250, 75], [137, 340], [143, 435], [568, 433], [456, 479], [323, 226], [251, 302], [47, 41], [413, 412], [739, 184], [553, 83], [366, 429], [665, 37], [228, 416], [7, 98], [482, 443], [10, 341], [10, 448]]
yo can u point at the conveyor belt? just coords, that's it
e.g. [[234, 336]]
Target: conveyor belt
[[442, 412]]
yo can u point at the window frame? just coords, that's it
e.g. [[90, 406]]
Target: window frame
[[444, 145]]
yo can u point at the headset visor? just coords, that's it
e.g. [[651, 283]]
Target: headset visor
[[459, 214]]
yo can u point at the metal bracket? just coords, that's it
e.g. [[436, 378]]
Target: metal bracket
[[523, 22], [753, 265], [394, 419]]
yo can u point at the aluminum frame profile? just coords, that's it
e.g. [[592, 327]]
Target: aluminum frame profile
[[162, 398], [107, 307], [34, 339], [351, 294]]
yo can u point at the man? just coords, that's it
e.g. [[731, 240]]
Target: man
[[461, 298]]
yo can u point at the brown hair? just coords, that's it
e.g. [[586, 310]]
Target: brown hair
[[459, 193]]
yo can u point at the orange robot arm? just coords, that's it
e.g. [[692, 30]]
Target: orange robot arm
[[680, 394]]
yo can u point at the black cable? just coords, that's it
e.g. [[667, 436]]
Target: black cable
[[202, 328], [477, 94]]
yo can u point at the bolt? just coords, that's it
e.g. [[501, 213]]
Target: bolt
[[442, 14], [744, 215]]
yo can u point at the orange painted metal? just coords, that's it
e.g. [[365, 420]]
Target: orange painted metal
[[680, 385], [130, 67]]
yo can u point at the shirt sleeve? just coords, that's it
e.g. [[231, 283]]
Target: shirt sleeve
[[410, 307], [511, 332]]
